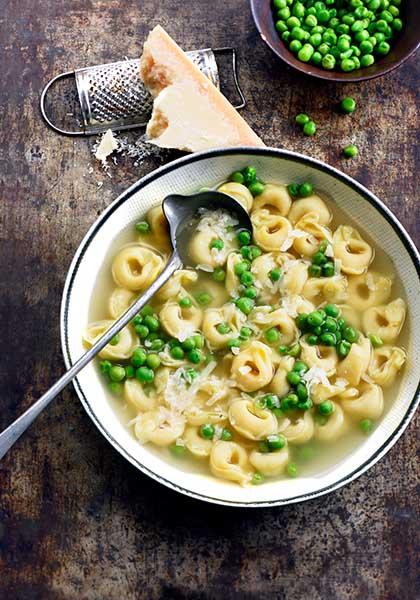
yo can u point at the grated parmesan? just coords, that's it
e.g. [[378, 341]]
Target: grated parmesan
[[293, 235], [314, 376], [106, 146]]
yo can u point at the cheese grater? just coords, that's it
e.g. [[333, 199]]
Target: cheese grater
[[112, 96]]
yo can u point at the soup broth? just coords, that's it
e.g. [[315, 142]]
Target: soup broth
[[283, 342]]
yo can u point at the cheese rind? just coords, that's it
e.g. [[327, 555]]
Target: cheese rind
[[189, 112]]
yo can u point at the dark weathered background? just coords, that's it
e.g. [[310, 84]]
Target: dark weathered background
[[77, 521]]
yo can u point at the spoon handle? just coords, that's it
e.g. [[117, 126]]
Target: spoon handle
[[9, 436]]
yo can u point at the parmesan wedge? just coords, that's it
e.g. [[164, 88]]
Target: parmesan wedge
[[106, 147], [189, 112]]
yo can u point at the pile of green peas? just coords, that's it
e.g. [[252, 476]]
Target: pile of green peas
[[298, 397], [321, 266], [338, 34], [324, 327], [300, 190], [248, 177]]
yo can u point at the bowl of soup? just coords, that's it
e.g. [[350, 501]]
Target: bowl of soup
[[277, 368]]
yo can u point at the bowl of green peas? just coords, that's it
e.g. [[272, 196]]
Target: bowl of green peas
[[340, 40]]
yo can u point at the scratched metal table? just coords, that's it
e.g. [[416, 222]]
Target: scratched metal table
[[76, 520]]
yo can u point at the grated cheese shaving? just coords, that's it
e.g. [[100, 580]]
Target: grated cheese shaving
[[337, 266], [245, 369], [370, 282], [291, 237], [203, 267], [329, 251], [314, 376]]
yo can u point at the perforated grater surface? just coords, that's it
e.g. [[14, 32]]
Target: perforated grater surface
[[112, 96]]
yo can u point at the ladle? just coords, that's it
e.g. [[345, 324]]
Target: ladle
[[180, 212]]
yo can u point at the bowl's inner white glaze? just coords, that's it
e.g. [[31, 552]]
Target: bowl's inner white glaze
[[346, 200]]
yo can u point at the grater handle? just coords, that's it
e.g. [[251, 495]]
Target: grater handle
[[43, 109]]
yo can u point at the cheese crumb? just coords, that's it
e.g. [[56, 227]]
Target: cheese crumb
[[106, 147]]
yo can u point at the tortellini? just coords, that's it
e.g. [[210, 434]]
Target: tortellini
[[385, 364], [229, 460], [270, 229], [250, 421], [270, 463], [334, 427], [122, 349], [136, 267], [180, 322], [385, 321], [252, 368], [356, 363], [368, 403], [238, 191], [119, 301], [312, 205], [354, 253], [275, 199], [215, 367], [369, 289]]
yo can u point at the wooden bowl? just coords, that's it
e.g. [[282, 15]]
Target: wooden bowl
[[406, 44]]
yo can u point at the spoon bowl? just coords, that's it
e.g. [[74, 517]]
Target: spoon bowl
[[183, 212]]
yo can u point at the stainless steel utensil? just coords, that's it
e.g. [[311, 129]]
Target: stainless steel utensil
[[179, 211]]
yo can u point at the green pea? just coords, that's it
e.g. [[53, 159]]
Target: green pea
[[178, 450], [138, 357], [312, 340], [143, 227], [177, 353], [256, 188], [350, 151], [348, 105], [204, 298], [207, 431], [153, 361], [145, 375], [301, 391], [294, 351], [226, 435], [302, 118], [251, 292], [116, 373], [311, 21], [152, 323], [328, 269], [277, 441], [281, 27], [343, 44], [326, 408], [305, 190], [329, 37], [105, 366], [343, 349], [219, 274], [195, 356], [383, 48], [147, 310], [241, 268], [319, 258], [293, 188], [116, 388], [257, 479], [305, 53], [330, 325], [293, 22], [397, 25], [366, 425], [250, 175], [217, 244], [272, 335], [284, 13], [114, 341], [272, 401], [293, 378], [280, 3], [237, 176], [376, 341], [275, 274], [350, 334], [309, 128], [315, 318], [347, 65], [295, 46], [243, 237], [300, 367], [245, 332], [185, 302], [316, 58], [314, 270], [223, 328], [331, 310], [367, 60], [138, 320], [292, 470], [245, 305], [129, 372], [233, 343]]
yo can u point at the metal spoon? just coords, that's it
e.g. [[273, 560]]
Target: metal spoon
[[179, 212]]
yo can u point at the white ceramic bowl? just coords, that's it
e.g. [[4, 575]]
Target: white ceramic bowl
[[185, 176]]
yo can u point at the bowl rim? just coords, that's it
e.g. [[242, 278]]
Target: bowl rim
[[156, 174], [338, 78]]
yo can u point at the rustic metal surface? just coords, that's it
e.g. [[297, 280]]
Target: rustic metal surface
[[76, 520]]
